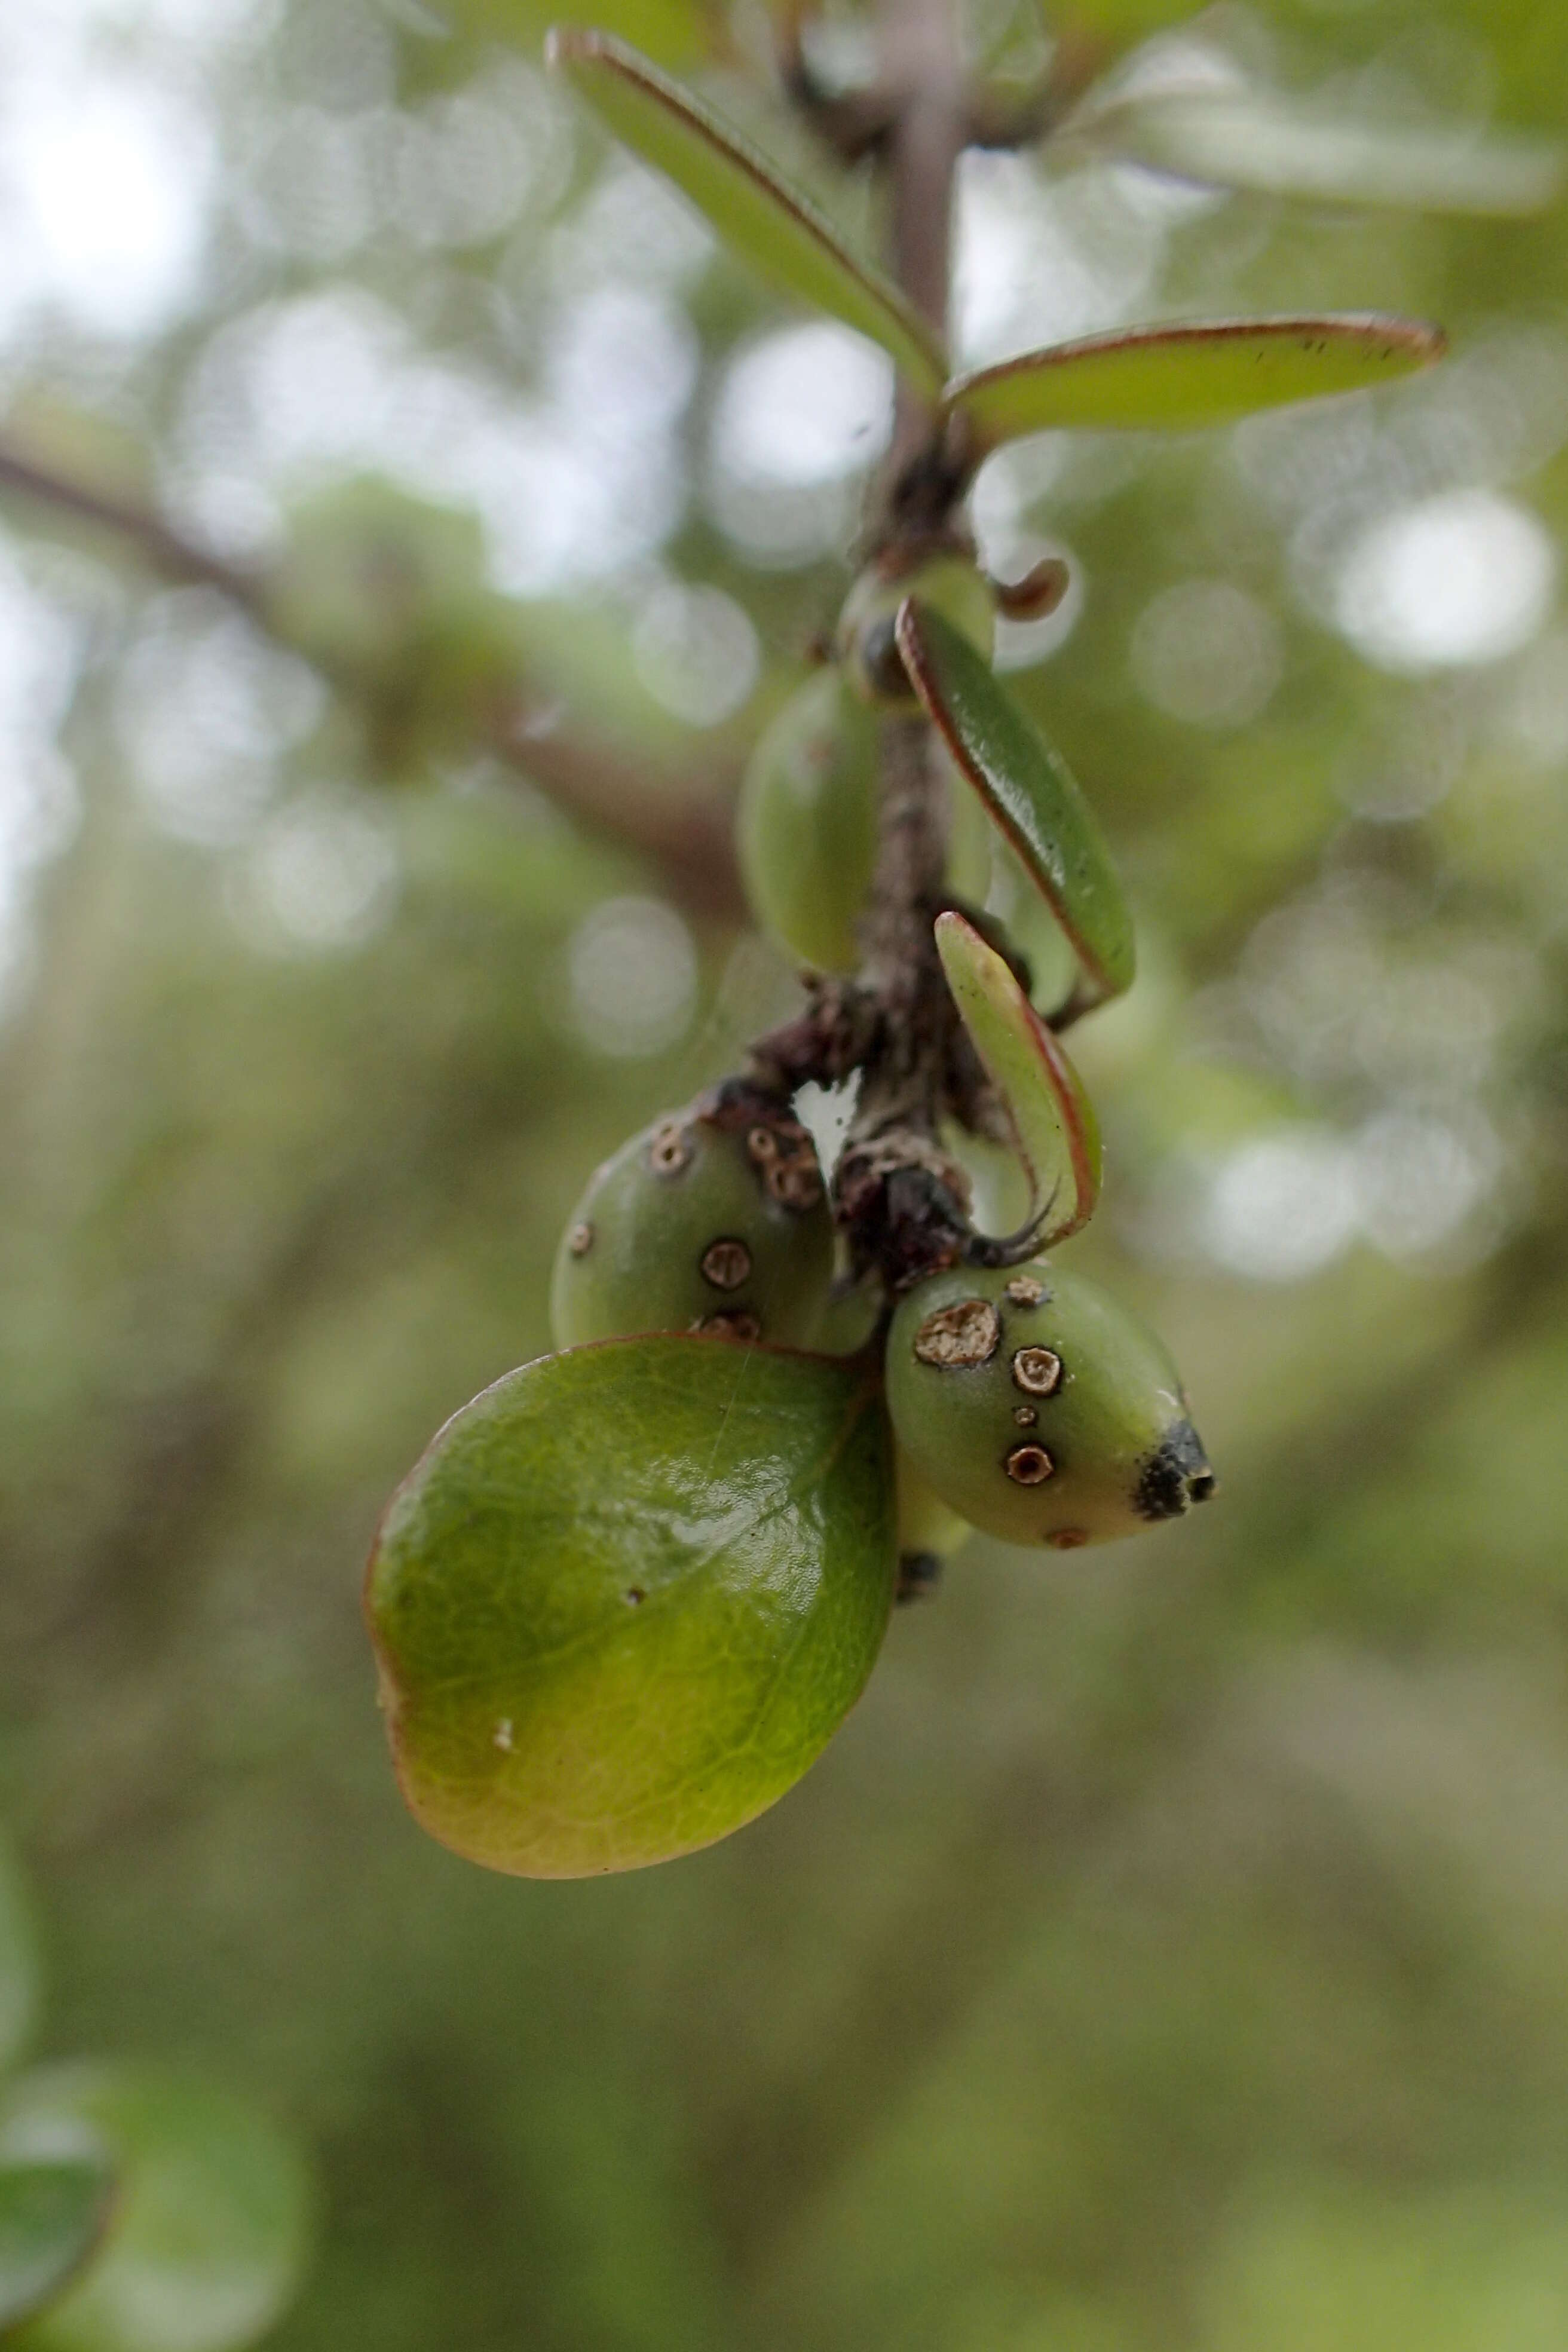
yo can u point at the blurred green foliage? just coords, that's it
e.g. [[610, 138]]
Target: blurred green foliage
[[1169, 1951]]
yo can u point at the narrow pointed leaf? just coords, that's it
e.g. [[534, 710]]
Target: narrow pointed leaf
[[52, 2213], [1277, 146], [1030, 794], [1052, 1117], [774, 226], [627, 1597], [1180, 377]]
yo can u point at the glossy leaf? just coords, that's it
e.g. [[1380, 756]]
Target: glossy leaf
[[1030, 794], [774, 226], [1254, 140], [207, 2236], [52, 2214], [627, 1597], [1180, 377], [19, 1970], [1051, 1116]]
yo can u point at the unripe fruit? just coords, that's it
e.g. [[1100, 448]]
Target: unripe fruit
[[925, 1522], [950, 583], [1039, 1407], [695, 1227], [806, 826], [806, 829]]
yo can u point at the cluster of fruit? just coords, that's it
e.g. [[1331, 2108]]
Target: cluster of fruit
[[632, 1590], [1025, 1401]]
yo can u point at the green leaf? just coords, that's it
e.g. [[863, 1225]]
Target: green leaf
[[627, 1597], [1274, 146], [52, 2214], [208, 2233], [19, 1968], [1179, 377], [1030, 795], [1051, 1116], [769, 224]]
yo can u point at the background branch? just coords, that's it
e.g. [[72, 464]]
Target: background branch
[[684, 829]]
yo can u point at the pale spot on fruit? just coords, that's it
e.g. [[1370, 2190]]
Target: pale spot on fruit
[[579, 1241], [726, 1263], [1037, 1371], [1030, 1465], [1024, 1291], [503, 1734], [958, 1337], [1025, 1415], [669, 1151]]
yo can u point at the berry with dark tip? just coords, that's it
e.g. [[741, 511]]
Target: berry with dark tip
[[1039, 1409]]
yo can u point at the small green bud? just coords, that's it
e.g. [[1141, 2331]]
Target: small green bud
[[1039, 1409], [950, 583]]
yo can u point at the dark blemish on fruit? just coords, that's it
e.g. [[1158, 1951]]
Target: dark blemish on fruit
[[726, 1263], [1030, 1465], [1067, 1538], [794, 1184], [1037, 1371], [635, 1596], [732, 1323], [1175, 1475], [956, 1339]]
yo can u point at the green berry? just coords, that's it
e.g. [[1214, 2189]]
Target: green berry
[[696, 1227], [926, 1524], [1039, 1409], [950, 583], [806, 829]]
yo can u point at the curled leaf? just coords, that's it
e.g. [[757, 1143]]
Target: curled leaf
[[1188, 374], [628, 1596], [758, 215], [1052, 1119], [1030, 794]]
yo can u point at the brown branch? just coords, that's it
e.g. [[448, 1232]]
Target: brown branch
[[684, 833], [164, 548], [688, 834]]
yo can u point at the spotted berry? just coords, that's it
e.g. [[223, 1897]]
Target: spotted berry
[[1039, 1407], [693, 1226]]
